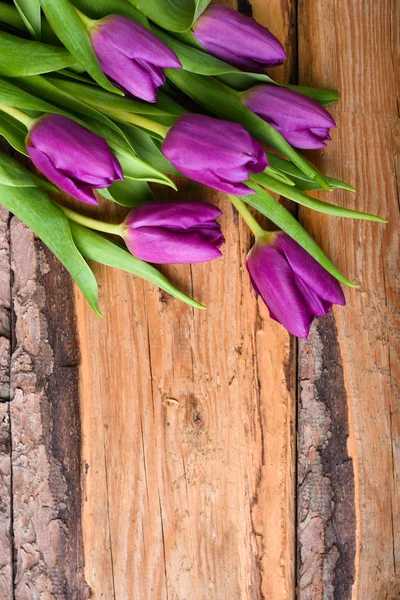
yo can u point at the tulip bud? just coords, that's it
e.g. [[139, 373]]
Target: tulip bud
[[237, 39], [218, 153], [302, 121], [74, 159], [293, 285], [176, 232], [132, 56]]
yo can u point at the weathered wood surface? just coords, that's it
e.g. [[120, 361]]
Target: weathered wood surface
[[353, 46], [184, 437]]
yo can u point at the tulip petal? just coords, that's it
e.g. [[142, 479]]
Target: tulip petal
[[301, 120], [180, 213], [214, 181], [132, 76], [214, 152], [317, 306], [274, 279], [75, 189], [135, 41], [237, 39], [309, 270], [163, 246], [79, 153]]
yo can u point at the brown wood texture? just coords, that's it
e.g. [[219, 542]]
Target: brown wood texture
[[353, 46], [152, 454]]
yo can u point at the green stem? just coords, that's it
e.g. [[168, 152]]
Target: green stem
[[88, 23], [92, 223], [19, 115], [138, 120], [247, 216]]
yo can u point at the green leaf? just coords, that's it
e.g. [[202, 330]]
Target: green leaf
[[148, 149], [12, 174], [14, 132], [175, 15], [30, 14], [13, 95], [69, 28], [278, 214], [44, 89], [301, 180], [105, 101], [135, 168], [34, 208], [129, 192], [323, 97], [97, 9], [226, 104], [298, 196], [96, 247], [21, 57]]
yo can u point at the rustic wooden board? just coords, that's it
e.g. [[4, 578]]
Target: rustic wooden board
[[352, 46], [182, 433]]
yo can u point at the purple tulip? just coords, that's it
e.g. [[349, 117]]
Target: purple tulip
[[174, 232], [301, 120], [294, 286], [71, 157], [132, 56], [237, 39], [218, 153]]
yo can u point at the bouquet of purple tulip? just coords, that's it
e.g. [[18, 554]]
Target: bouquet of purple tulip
[[94, 92]]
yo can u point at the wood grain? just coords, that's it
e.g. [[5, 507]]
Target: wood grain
[[351, 46]]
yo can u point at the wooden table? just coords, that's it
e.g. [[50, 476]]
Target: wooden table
[[166, 454]]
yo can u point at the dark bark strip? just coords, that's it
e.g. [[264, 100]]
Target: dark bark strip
[[45, 429], [326, 511]]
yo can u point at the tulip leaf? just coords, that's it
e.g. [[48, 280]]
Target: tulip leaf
[[14, 132], [34, 208], [301, 180], [148, 149], [278, 214], [226, 104], [129, 192], [135, 168], [21, 57], [298, 196], [107, 102], [10, 16], [100, 249], [44, 89], [12, 174], [97, 9], [68, 27], [174, 15], [13, 95], [30, 14]]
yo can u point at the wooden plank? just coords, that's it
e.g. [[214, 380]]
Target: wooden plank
[[347, 45], [6, 546], [45, 429], [188, 424]]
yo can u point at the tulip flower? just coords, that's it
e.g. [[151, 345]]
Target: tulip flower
[[132, 56], [218, 153], [74, 159], [237, 39], [293, 285], [176, 232], [302, 121]]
